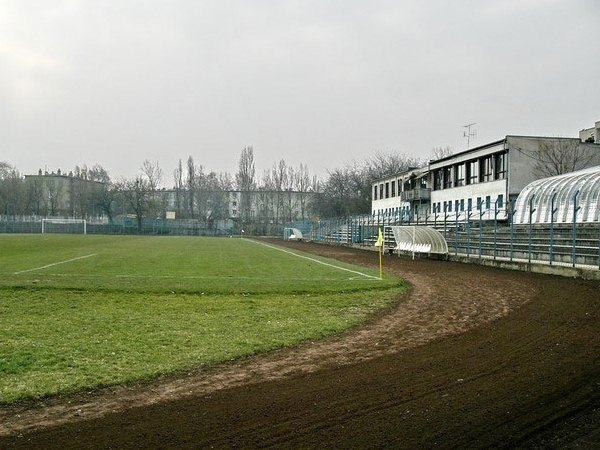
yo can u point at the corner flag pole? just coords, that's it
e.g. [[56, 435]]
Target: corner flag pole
[[379, 244]]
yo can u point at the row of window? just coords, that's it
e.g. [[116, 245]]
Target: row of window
[[481, 204], [388, 189], [488, 168]]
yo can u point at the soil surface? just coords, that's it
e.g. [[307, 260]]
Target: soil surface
[[470, 357]]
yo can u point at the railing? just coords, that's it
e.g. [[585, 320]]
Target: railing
[[415, 194], [573, 245]]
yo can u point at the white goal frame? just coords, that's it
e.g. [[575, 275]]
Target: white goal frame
[[292, 234], [64, 221]]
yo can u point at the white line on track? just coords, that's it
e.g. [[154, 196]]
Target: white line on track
[[313, 259], [55, 264]]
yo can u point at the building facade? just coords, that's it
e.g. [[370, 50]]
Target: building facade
[[56, 194], [481, 183]]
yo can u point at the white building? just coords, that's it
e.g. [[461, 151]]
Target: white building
[[403, 195], [479, 183], [591, 134], [483, 181]]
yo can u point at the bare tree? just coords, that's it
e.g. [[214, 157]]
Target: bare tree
[[561, 155], [441, 152], [383, 164], [245, 181], [137, 196], [12, 190], [191, 183], [153, 173], [179, 188]]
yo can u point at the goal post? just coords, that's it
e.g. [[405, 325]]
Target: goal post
[[68, 226], [292, 234]]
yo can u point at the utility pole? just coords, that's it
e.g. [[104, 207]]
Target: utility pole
[[469, 134]]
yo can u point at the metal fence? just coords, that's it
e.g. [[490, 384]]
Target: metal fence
[[571, 244], [125, 226], [481, 235]]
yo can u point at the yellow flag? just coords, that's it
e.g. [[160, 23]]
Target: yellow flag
[[379, 242]]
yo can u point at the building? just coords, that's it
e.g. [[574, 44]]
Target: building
[[591, 134], [481, 183], [273, 207], [403, 195], [56, 194]]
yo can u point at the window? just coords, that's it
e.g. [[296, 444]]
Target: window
[[393, 188], [479, 205], [437, 180], [375, 192], [381, 190], [447, 177], [500, 166], [472, 172], [488, 202], [485, 166], [469, 204], [234, 204], [450, 206], [387, 190], [462, 204], [500, 201], [459, 174]]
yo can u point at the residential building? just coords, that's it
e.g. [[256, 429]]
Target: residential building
[[57, 194]]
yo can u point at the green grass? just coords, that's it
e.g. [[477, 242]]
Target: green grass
[[144, 306]]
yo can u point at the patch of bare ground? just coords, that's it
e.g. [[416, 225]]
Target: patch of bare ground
[[469, 357]]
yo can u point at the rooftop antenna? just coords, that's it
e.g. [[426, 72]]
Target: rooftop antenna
[[469, 134]]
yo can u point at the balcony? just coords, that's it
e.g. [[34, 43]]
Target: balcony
[[416, 194]]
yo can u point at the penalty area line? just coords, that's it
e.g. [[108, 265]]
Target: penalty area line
[[55, 264], [314, 260]]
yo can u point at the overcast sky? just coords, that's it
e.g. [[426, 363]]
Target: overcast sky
[[318, 82]]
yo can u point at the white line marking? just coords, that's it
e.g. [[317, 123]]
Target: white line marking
[[55, 264], [314, 260]]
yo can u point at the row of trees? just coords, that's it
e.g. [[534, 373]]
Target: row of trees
[[281, 193]]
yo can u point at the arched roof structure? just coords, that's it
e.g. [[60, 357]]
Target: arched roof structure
[[582, 186], [419, 239]]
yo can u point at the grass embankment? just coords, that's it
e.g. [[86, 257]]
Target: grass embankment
[[141, 307]]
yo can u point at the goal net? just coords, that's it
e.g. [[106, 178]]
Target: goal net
[[68, 226], [292, 234]]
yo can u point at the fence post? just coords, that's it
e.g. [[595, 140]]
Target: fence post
[[575, 209], [468, 228], [552, 211], [481, 213], [512, 229], [495, 227], [531, 211], [456, 234]]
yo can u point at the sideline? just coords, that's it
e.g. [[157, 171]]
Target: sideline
[[55, 264], [313, 259]]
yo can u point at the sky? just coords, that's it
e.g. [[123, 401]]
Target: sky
[[317, 82]]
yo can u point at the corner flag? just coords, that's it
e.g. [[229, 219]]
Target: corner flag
[[379, 242]]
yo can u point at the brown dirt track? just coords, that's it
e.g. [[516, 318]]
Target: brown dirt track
[[471, 357]]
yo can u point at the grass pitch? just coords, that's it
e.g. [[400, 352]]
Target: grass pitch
[[87, 311]]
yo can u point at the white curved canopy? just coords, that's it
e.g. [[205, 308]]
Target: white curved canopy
[[419, 239], [584, 184]]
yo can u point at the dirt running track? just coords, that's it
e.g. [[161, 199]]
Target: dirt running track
[[471, 357]]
